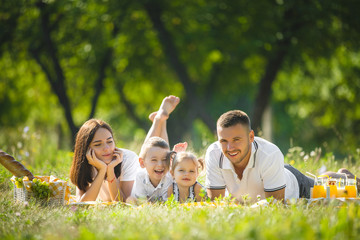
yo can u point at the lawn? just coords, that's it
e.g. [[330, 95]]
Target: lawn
[[171, 220]]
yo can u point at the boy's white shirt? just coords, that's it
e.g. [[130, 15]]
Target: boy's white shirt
[[143, 187]]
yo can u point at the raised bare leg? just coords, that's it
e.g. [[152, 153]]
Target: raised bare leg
[[167, 106], [152, 116], [158, 127]]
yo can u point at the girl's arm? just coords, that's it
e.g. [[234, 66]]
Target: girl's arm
[[197, 190]]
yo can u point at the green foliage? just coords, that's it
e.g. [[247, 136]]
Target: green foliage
[[328, 108], [58, 56]]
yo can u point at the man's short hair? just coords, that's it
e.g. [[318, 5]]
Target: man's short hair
[[232, 118]]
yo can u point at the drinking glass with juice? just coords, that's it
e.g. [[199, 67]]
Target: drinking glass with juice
[[350, 188], [319, 189], [333, 188], [341, 191]]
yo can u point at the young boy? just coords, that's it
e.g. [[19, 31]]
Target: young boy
[[153, 180]]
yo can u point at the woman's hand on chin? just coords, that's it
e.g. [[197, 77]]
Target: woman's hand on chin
[[94, 161], [118, 158]]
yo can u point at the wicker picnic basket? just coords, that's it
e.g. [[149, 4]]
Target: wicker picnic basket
[[59, 190], [23, 195]]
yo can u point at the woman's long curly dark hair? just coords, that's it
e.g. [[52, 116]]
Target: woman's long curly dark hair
[[81, 171]]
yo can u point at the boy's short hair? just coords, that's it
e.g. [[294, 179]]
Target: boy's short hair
[[153, 142], [232, 118]]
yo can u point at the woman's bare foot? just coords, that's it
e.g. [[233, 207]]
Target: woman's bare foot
[[167, 106]]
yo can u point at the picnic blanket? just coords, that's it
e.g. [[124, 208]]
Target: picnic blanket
[[218, 204]]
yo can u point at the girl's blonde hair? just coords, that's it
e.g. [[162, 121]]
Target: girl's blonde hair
[[179, 157]]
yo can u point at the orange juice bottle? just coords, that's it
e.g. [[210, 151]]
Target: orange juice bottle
[[351, 188]]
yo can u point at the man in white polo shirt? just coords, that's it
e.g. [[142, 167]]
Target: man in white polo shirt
[[249, 166]]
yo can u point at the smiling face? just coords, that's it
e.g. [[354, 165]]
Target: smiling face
[[103, 145], [236, 143], [155, 163], [185, 172]]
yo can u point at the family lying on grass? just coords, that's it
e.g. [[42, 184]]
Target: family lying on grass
[[238, 162]]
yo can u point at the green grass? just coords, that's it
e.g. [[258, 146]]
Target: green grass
[[177, 222], [171, 220]]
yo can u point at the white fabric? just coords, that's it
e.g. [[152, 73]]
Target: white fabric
[[264, 172], [292, 186], [129, 168], [130, 165], [143, 187]]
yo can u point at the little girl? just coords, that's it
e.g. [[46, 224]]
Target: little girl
[[185, 170]]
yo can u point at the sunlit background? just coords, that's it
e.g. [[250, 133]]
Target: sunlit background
[[293, 66]]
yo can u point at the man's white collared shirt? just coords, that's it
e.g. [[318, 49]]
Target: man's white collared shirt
[[264, 172]]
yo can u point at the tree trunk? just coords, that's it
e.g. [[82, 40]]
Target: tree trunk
[[264, 93], [291, 23], [57, 81], [191, 106], [130, 108], [99, 85]]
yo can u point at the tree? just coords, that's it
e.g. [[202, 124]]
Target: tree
[[118, 59]]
